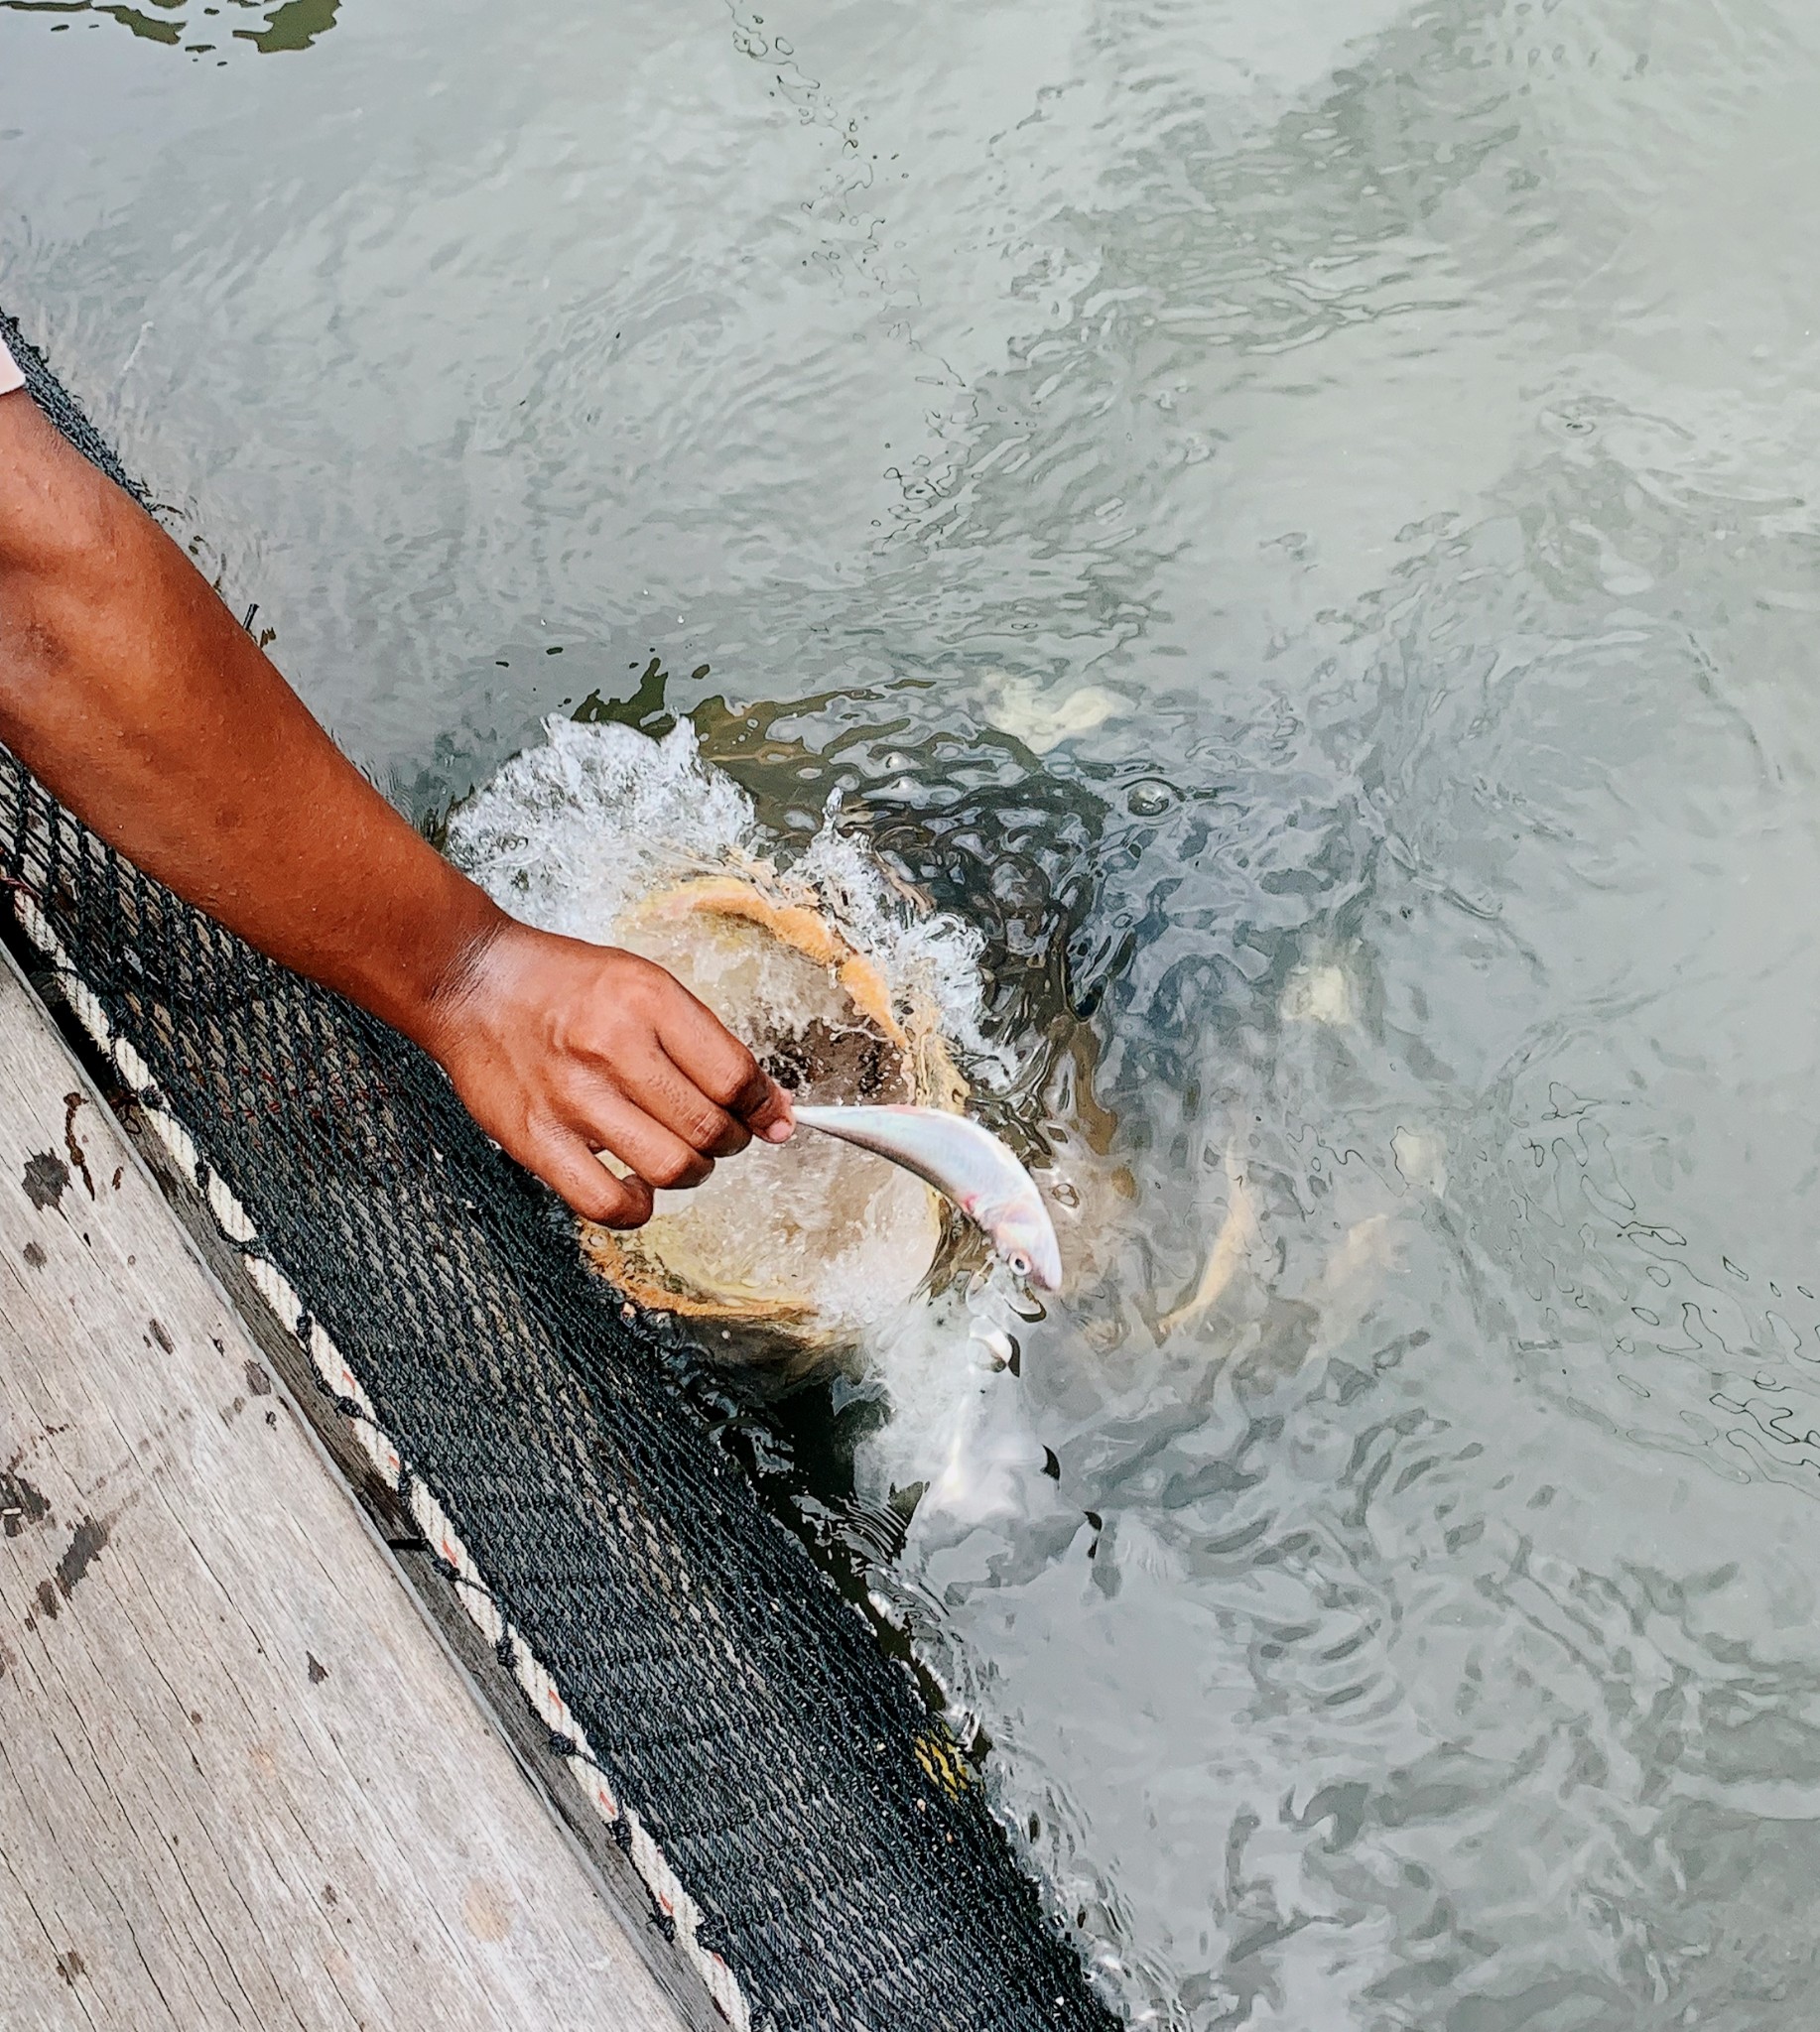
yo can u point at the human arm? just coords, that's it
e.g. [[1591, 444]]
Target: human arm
[[131, 693]]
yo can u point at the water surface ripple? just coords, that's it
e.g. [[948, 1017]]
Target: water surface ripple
[[1298, 518]]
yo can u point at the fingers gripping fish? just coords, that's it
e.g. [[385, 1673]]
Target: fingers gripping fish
[[965, 1164]]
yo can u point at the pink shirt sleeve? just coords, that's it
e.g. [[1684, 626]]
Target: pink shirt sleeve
[[9, 376]]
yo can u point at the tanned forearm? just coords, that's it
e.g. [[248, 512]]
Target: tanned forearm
[[131, 693]]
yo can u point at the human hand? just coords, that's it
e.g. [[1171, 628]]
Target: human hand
[[560, 1049], [134, 696]]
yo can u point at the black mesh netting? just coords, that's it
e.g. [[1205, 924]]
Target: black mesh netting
[[791, 1773]]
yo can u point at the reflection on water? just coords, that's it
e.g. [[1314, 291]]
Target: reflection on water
[[199, 30], [1297, 520]]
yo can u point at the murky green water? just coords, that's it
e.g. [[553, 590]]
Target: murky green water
[[1298, 520]]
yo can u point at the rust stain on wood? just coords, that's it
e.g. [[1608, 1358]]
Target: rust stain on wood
[[79, 1157]]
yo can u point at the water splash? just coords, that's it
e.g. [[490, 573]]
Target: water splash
[[574, 832], [578, 834]]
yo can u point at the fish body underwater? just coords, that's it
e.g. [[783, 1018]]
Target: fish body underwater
[[965, 1164]]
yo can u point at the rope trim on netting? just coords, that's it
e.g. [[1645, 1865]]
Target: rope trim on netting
[[678, 1911]]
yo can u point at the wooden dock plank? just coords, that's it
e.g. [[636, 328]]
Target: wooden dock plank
[[241, 1783]]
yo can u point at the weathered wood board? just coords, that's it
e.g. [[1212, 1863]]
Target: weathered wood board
[[241, 1781]]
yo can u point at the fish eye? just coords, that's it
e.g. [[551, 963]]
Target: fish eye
[[1020, 1262]]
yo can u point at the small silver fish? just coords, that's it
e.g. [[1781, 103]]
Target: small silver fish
[[965, 1164]]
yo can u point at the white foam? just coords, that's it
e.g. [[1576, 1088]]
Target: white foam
[[573, 835]]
